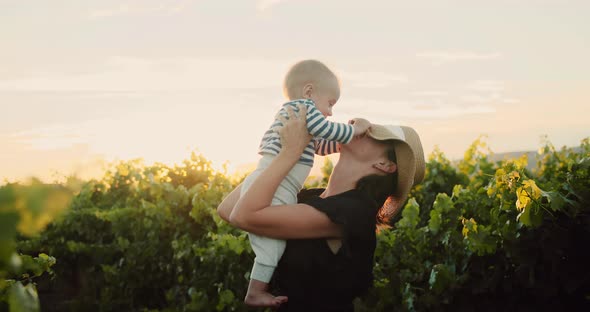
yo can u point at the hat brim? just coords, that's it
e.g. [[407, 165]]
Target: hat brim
[[409, 156]]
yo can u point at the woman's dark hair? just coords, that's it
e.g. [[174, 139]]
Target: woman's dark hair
[[380, 187]]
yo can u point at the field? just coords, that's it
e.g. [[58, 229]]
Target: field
[[476, 235]]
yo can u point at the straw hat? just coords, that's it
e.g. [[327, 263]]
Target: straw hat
[[409, 155]]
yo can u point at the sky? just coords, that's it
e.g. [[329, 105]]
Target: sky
[[85, 83]]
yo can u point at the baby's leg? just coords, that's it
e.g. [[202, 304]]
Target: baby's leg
[[268, 253]]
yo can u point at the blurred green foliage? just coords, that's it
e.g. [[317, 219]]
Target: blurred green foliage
[[474, 234]]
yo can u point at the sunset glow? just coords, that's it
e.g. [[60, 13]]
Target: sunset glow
[[86, 83]]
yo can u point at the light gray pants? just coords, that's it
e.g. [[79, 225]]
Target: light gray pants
[[269, 250]]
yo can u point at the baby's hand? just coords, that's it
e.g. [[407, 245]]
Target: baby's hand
[[360, 125]]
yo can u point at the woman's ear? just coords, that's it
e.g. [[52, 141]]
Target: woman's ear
[[386, 166], [307, 91]]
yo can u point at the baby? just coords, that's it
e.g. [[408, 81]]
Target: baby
[[313, 84]]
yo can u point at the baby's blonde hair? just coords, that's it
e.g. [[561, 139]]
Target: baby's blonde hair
[[306, 72]]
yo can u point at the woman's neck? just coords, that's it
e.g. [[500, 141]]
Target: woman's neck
[[344, 177]]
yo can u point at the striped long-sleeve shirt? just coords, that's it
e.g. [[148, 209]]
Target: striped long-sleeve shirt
[[326, 134]]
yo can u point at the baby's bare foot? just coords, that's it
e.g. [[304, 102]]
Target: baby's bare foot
[[264, 299], [258, 296]]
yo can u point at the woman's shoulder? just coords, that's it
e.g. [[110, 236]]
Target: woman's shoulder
[[311, 192], [350, 197], [352, 208], [306, 195]]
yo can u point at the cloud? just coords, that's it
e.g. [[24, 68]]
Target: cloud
[[163, 74], [140, 8], [430, 93], [57, 136], [111, 136], [394, 111], [165, 132], [487, 91], [263, 5], [372, 79], [510, 101], [486, 85], [443, 57], [495, 98]]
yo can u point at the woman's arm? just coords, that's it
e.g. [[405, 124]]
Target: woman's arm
[[253, 212], [227, 205]]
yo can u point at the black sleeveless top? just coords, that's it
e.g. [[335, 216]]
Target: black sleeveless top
[[311, 275]]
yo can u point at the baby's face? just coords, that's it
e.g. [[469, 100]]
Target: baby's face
[[325, 98]]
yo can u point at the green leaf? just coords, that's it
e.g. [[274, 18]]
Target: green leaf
[[8, 223], [435, 221], [7, 247], [410, 214], [7, 196], [409, 297], [443, 202], [23, 298], [441, 277], [226, 297], [530, 216], [556, 200]]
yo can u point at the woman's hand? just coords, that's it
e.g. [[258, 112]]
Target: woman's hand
[[253, 211], [294, 133], [361, 126]]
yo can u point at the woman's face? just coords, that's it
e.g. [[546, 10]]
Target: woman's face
[[365, 148]]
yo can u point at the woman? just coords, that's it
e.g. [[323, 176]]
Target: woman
[[331, 236]]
